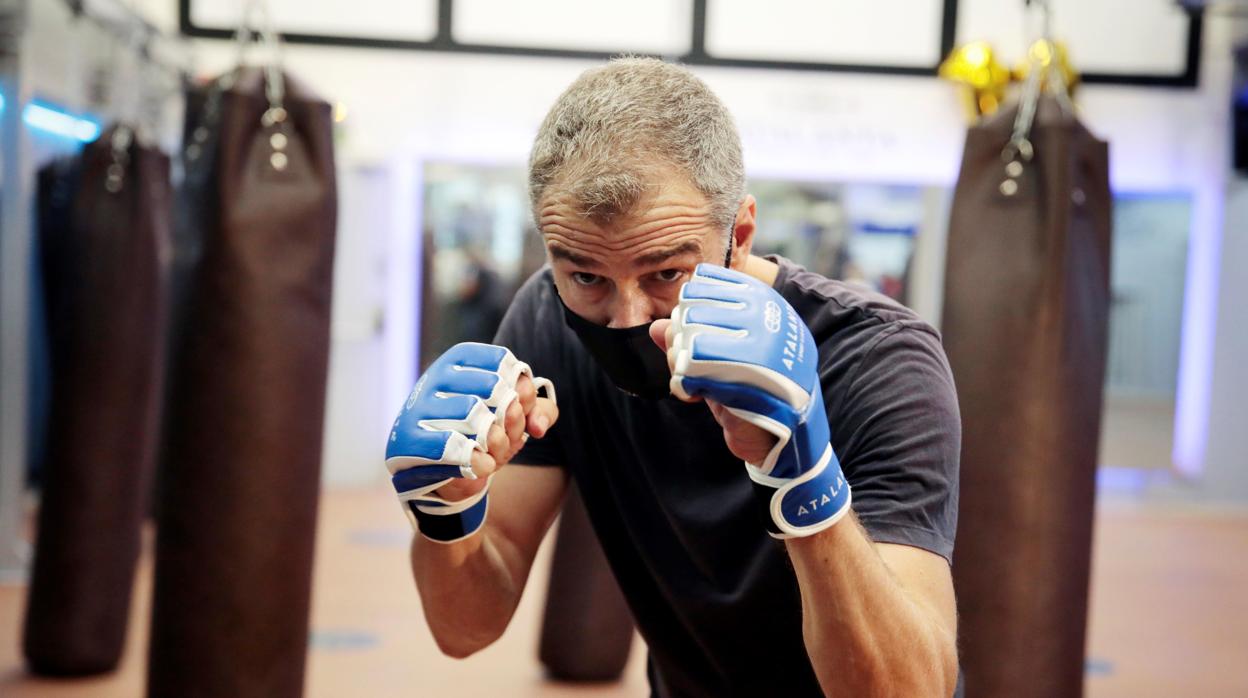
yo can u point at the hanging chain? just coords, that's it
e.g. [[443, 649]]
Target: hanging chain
[[275, 116], [1044, 76], [115, 177]]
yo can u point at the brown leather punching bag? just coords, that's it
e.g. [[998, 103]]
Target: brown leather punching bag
[[587, 629], [238, 501], [104, 238], [1025, 326]]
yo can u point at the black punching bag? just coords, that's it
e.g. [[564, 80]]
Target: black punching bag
[[587, 629], [238, 500], [104, 237], [1025, 326]]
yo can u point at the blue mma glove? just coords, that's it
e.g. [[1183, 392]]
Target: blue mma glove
[[446, 418], [738, 342]]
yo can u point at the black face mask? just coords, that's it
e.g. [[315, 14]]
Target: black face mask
[[630, 358]]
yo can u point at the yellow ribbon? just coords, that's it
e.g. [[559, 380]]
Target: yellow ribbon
[[984, 79]]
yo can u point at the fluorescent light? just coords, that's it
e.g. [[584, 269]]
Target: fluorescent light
[[60, 123], [1199, 334]]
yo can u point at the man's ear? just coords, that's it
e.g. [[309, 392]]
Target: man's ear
[[743, 231]]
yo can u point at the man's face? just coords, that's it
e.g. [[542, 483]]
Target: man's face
[[629, 272]]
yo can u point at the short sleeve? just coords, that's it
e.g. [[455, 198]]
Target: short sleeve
[[898, 434], [532, 330]]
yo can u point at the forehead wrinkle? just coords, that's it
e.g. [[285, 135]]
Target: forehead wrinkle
[[647, 224], [650, 216], [658, 235], [670, 201], [624, 237], [617, 241], [663, 220], [589, 247]]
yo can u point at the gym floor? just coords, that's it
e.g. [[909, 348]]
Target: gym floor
[[1168, 615]]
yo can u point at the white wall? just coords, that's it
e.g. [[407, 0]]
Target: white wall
[[1226, 458], [407, 106]]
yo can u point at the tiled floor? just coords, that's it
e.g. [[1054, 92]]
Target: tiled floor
[[1170, 616], [1169, 608]]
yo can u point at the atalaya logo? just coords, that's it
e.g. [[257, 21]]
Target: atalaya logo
[[830, 494], [771, 317], [411, 399], [794, 350]]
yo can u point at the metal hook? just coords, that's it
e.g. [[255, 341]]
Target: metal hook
[[1055, 82], [274, 84]]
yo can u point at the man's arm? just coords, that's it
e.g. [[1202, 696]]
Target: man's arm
[[479, 523], [877, 618], [470, 589], [891, 606]]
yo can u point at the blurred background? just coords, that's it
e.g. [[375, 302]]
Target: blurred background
[[852, 146]]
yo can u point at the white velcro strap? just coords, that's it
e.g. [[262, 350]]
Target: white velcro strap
[[788, 530], [442, 507], [509, 371], [449, 509], [475, 428], [457, 451]]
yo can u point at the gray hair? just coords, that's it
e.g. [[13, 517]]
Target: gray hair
[[618, 124]]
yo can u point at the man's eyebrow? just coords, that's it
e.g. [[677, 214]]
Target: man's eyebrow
[[659, 256], [560, 252]]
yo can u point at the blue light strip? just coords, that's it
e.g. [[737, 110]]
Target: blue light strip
[[1199, 333], [60, 123]]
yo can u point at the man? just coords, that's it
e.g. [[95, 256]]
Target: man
[[676, 355]]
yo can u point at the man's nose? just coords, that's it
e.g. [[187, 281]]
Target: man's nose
[[631, 308]]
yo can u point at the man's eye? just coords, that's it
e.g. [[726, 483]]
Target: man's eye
[[669, 275], [585, 279]]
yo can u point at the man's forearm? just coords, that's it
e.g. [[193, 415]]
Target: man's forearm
[[866, 634], [469, 589]]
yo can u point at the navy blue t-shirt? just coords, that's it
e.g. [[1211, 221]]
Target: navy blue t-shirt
[[713, 595]]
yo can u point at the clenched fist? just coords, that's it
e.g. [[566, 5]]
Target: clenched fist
[[737, 343], [468, 415]]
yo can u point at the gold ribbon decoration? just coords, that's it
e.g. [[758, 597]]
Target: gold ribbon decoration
[[983, 78]]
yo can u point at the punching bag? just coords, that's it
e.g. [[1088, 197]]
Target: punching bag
[[1025, 326], [104, 236], [587, 629], [195, 210], [238, 499]]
